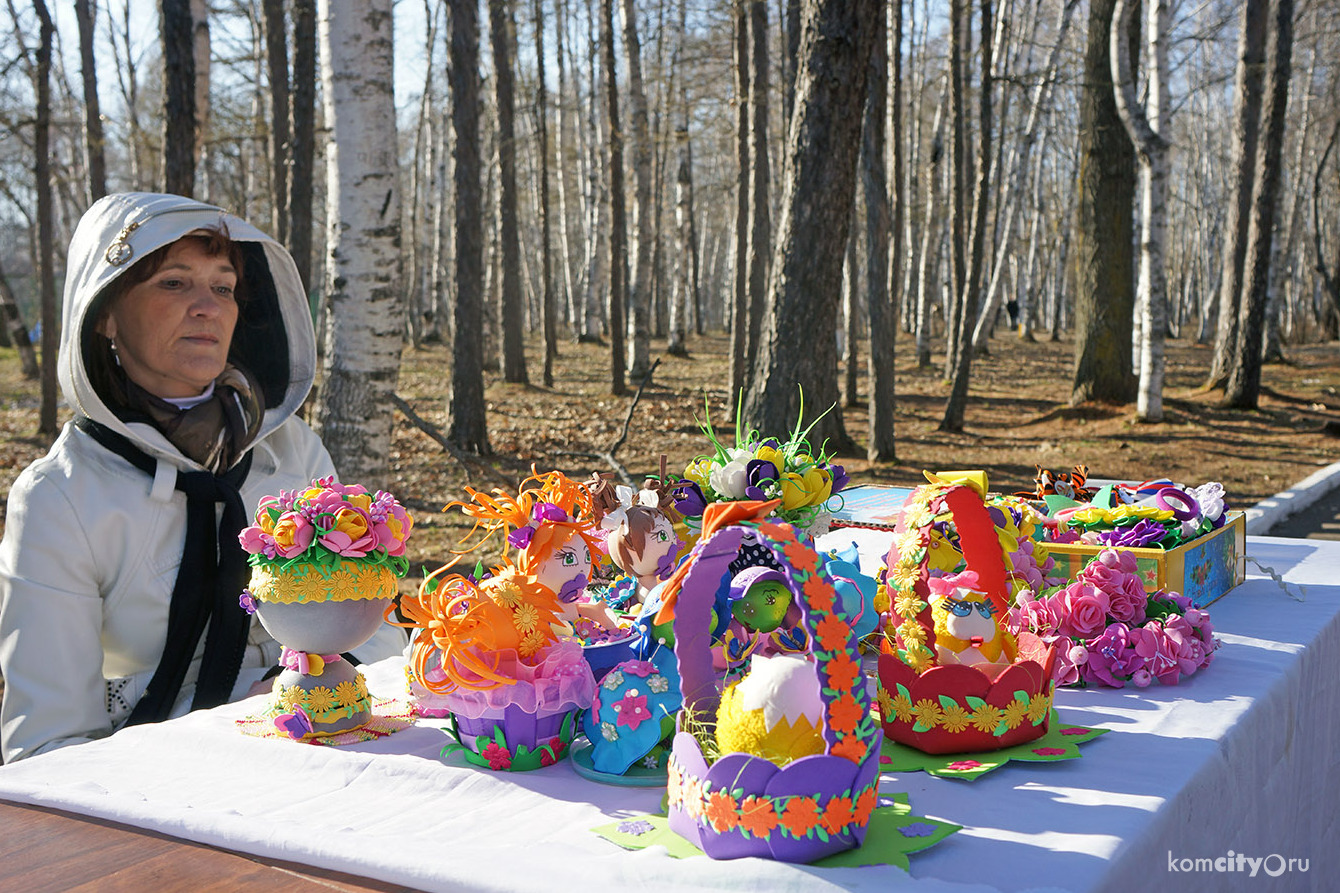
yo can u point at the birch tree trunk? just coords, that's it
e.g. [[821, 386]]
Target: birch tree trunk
[[1243, 387], [179, 114], [512, 313], [549, 310], [1148, 128], [798, 348], [1019, 168], [566, 240], [880, 304], [200, 52], [969, 297], [1248, 84], [639, 295], [94, 142], [1106, 291], [739, 316], [46, 275], [932, 236], [760, 220], [685, 293], [618, 263], [364, 327], [303, 150], [466, 406], [598, 203], [276, 55]]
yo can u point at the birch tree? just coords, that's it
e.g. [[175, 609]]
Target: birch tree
[[548, 309], [1248, 85], [276, 57], [685, 292], [303, 148], [760, 217], [46, 275], [880, 301], [1242, 390], [639, 296], [1019, 167], [94, 140], [1106, 291], [466, 406], [512, 314], [739, 315], [798, 350], [365, 323], [179, 112], [618, 254], [1148, 127]]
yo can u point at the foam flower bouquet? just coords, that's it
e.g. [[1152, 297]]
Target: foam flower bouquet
[[1155, 515], [763, 468], [1108, 631], [324, 566]]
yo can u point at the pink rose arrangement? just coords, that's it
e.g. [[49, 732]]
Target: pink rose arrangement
[[329, 521], [1108, 631]]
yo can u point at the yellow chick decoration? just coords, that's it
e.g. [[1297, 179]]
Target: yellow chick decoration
[[966, 630], [774, 712]]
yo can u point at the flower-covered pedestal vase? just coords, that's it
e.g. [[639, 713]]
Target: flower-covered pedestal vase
[[324, 561], [317, 612]]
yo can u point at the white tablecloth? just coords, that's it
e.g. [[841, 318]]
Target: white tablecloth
[[1243, 757]]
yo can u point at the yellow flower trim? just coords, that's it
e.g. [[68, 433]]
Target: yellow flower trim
[[927, 712], [323, 705], [908, 605], [1038, 707], [954, 719], [321, 699], [986, 718], [347, 580], [902, 708], [1014, 714], [885, 702]]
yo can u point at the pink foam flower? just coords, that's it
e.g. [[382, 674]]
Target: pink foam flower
[[255, 542], [1084, 610], [1070, 659], [293, 534], [1112, 657], [393, 530]]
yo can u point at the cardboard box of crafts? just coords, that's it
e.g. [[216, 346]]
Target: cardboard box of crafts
[[1203, 570]]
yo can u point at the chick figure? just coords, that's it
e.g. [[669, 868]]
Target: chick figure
[[966, 630], [774, 712]]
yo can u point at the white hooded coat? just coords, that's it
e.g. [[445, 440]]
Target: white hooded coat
[[92, 545]]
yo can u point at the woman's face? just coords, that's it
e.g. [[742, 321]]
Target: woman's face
[[172, 331]]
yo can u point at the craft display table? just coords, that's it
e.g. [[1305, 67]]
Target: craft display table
[[1243, 757]]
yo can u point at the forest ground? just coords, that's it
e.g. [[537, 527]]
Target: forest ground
[[1018, 417]]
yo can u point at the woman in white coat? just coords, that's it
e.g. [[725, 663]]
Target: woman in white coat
[[186, 350]]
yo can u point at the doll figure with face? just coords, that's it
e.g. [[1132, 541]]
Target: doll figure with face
[[966, 628], [644, 545]]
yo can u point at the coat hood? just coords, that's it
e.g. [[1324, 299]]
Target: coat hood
[[273, 339]]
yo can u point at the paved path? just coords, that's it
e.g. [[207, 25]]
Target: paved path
[[1321, 521]]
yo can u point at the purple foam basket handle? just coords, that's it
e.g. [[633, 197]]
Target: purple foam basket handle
[[693, 620]]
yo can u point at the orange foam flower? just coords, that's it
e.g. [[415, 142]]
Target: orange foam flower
[[783, 533], [843, 671], [758, 816], [852, 748], [838, 814], [819, 594], [844, 713], [801, 556], [800, 816], [832, 633], [865, 804], [721, 811]]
